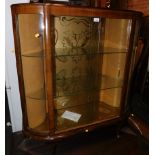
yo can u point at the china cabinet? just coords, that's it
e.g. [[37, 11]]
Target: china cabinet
[[74, 66]]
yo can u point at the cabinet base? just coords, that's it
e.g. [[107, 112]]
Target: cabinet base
[[66, 133]]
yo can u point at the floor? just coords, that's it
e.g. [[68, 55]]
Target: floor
[[99, 142]]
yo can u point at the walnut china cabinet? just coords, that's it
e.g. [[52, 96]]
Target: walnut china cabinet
[[74, 66]]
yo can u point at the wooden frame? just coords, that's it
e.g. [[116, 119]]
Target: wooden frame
[[48, 10]]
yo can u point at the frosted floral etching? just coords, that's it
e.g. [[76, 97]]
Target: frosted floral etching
[[75, 41]]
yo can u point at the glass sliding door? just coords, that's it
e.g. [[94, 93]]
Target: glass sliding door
[[90, 56]]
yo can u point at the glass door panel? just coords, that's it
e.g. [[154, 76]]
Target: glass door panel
[[117, 35], [90, 56], [32, 54], [115, 46]]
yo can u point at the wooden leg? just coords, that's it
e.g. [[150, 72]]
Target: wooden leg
[[118, 130], [118, 134], [54, 149]]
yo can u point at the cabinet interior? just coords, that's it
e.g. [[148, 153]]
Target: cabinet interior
[[89, 61]]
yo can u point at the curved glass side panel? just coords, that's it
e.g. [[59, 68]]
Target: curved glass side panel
[[32, 54]]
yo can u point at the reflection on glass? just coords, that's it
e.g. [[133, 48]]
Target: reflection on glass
[[117, 34], [31, 43]]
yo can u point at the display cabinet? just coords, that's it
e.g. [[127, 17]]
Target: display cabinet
[[74, 66]]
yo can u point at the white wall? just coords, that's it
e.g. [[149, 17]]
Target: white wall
[[11, 73]]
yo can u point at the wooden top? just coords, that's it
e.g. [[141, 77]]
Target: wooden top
[[74, 10]]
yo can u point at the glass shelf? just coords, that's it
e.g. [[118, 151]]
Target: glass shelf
[[59, 52], [43, 127], [107, 83], [34, 54], [76, 85], [37, 95], [77, 52], [90, 113]]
